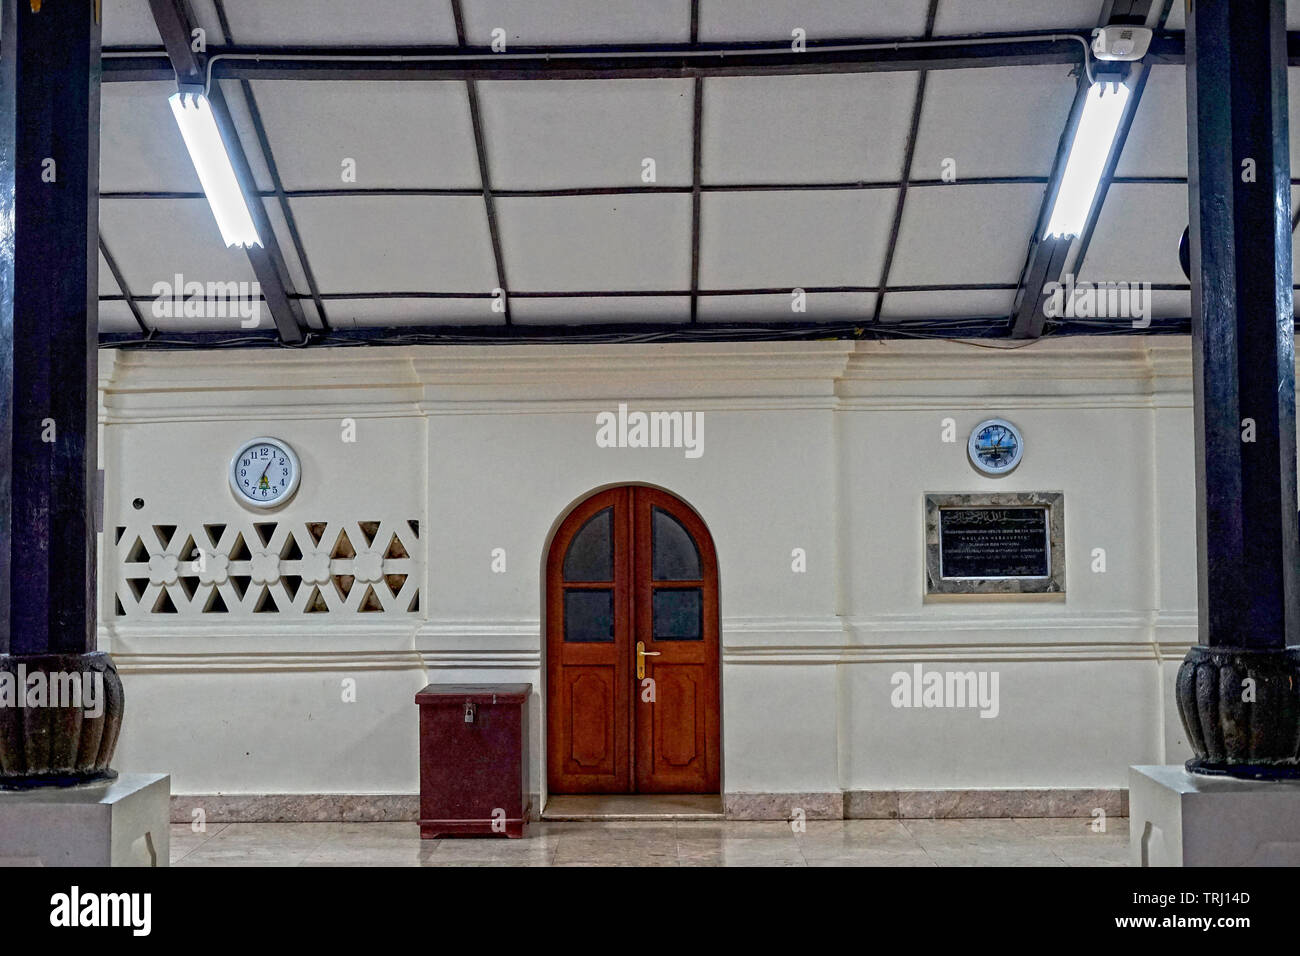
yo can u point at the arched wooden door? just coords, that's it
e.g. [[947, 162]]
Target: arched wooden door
[[632, 578]]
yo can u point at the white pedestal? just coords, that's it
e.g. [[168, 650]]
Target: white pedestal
[[122, 822], [1181, 819]]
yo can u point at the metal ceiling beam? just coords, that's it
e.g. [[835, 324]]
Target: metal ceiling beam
[[1046, 261], [485, 178], [908, 152], [628, 62], [121, 284], [1048, 255], [985, 327], [661, 190], [573, 63], [175, 24], [278, 191], [697, 173]]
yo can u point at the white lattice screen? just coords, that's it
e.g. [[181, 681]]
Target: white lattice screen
[[267, 567]]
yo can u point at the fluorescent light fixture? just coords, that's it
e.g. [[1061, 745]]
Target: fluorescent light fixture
[[211, 161], [1103, 107]]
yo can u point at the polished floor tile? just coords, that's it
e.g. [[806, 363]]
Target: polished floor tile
[[658, 842]]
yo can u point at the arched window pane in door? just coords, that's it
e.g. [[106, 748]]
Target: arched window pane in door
[[591, 552], [674, 554]]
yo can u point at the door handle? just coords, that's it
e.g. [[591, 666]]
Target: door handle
[[641, 655]]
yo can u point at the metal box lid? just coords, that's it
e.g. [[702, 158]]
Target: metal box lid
[[434, 694]]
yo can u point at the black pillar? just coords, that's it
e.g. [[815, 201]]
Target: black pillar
[[49, 266], [1239, 689]]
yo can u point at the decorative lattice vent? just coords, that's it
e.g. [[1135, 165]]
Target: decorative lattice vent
[[267, 567]]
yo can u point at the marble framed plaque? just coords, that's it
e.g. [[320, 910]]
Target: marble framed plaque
[[995, 544]]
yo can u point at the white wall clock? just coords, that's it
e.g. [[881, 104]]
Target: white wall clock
[[995, 446], [264, 473]]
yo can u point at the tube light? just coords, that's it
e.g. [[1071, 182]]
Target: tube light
[[211, 161], [1093, 139]]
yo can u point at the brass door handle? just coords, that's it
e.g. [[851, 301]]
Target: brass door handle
[[641, 655]]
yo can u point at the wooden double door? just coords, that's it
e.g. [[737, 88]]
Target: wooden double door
[[632, 648]]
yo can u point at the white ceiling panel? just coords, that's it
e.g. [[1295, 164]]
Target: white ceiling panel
[[752, 240], [587, 132], [381, 313], [596, 243], [806, 129], [396, 243], [1157, 140], [956, 233], [141, 149], [1138, 248], [1170, 304], [116, 316], [1178, 21], [396, 134], [236, 323], [600, 310], [341, 22], [960, 17], [128, 23], [205, 17], [817, 307], [242, 119], [722, 20], [152, 240], [992, 122], [974, 303], [574, 22]]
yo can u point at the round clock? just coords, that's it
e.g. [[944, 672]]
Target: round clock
[[264, 473], [995, 446]]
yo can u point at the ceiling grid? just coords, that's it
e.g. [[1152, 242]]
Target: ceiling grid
[[816, 171]]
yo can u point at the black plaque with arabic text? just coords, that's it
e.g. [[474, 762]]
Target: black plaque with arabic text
[[994, 543]]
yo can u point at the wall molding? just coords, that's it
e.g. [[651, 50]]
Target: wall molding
[[420, 381], [174, 646]]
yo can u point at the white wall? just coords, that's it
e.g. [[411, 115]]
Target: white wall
[[825, 446]]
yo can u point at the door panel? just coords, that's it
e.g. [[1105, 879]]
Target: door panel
[[589, 640], [632, 565], [675, 600], [591, 696], [679, 730]]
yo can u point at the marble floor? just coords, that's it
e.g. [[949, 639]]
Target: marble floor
[[1004, 842]]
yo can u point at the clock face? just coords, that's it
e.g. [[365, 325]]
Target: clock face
[[264, 473], [995, 446]]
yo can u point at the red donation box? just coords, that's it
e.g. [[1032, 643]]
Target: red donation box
[[473, 759]]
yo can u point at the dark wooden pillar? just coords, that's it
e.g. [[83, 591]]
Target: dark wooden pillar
[[1239, 689], [49, 257]]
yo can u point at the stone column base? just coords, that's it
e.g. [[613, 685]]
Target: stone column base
[[53, 733], [1241, 710]]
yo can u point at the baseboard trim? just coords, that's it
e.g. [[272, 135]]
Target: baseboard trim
[[828, 805], [927, 804]]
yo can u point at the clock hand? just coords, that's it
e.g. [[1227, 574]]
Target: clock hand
[[265, 467]]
